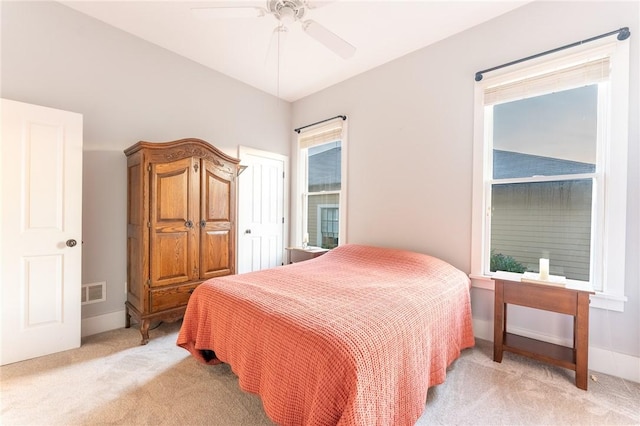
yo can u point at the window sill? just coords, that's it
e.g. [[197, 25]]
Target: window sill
[[599, 300], [610, 302], [482, 281]]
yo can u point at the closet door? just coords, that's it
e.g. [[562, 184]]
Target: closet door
[[217, 210], [173, 220]]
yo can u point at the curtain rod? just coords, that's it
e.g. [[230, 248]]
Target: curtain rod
[[623, 34], [344, 117]]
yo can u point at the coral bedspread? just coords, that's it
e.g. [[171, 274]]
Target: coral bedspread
[[354, 337]]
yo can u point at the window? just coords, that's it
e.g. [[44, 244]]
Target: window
[[322, 171], [329, 226], [550, 158], [541, 193]]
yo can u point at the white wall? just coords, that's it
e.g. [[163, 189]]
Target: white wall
[[127, 90], [410, 149]]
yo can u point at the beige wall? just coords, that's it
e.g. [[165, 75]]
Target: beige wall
[[410, 147]]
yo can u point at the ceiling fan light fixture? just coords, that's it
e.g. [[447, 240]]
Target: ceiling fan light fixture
[[287, 15]]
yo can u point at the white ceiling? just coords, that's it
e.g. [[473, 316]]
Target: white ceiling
[[242, 48]]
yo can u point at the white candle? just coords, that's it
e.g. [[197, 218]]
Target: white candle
[[544, 269]]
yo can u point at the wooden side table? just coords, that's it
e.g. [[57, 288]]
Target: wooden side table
[[299, 254], [564, 300]]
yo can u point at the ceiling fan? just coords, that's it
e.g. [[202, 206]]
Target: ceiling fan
[[286, 12]]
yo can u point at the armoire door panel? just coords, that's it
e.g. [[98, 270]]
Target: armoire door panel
[[134, 264], [172, 202], [170, 259], [217, 192], [137, 244], [217, 241], [215, 259], [134, 209], [174, 243], [217, 201]]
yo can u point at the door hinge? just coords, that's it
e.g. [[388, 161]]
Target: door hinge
[[149, 281], [148, 224], [282, 219], [148, 167], [195, 167]]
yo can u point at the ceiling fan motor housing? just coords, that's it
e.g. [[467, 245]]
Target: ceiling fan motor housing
[[286, 11]]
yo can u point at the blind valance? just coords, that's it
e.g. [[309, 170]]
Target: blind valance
[[323, 133], [583, 74]]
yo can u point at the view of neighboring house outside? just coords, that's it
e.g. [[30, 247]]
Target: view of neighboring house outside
[[544, 219], [323, 196], [541, 204]]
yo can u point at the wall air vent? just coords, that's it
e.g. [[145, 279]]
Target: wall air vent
[[94, 292]]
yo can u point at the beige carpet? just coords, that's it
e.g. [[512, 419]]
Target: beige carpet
[[113, 380]]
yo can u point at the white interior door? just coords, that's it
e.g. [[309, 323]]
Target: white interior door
[[41, 212], [261, 210]]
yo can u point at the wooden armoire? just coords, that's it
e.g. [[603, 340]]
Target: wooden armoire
[[181, 214]]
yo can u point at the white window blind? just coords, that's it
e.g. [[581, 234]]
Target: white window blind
[[562, 79], [321, 134]]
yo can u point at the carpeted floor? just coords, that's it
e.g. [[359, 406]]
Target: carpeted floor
[[110, 379]]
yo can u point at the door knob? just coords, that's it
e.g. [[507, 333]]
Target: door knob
[[248, 231], [71, 243]]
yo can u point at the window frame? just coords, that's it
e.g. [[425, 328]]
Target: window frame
[[610, 181], [303, 183]]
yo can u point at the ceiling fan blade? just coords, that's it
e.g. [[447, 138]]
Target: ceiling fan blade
[[227, 12], [332, 41]]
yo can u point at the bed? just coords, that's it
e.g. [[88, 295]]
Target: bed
[[353, 337]]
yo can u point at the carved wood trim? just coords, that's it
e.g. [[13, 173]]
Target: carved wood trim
[[183, 148]]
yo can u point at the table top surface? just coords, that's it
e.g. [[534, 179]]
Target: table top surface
[[568, 284]]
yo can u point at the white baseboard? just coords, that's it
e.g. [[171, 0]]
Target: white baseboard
[[602, 360], [615, 363], [102, 323]]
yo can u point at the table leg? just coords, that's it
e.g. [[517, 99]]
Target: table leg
[[581, 338], [498, 321]]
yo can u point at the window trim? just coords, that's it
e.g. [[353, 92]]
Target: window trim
[[302, 146], [612, 251]]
